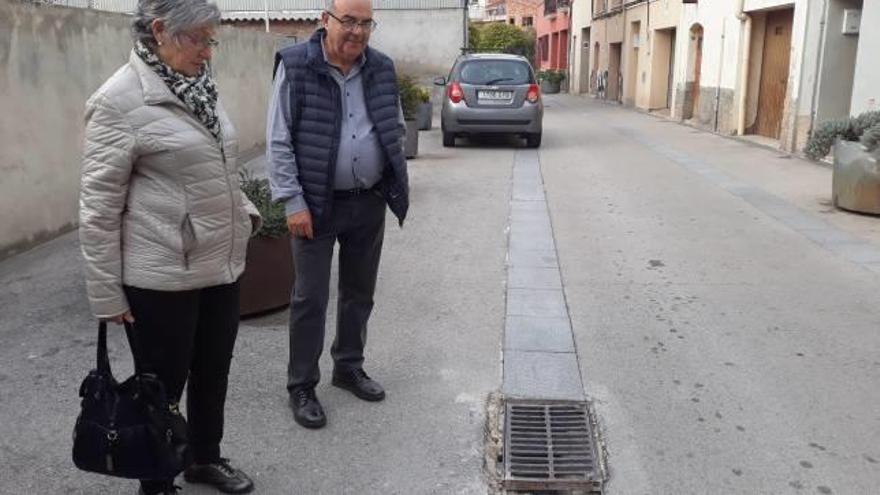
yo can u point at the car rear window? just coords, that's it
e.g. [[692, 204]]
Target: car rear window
[[490, 72]]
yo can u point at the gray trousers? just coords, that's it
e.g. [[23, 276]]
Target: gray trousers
[[358, 224]]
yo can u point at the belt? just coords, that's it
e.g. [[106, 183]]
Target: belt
[[350, 193]]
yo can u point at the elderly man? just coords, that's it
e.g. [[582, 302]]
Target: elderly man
[[335, 155]]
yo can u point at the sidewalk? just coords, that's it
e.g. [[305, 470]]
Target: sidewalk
[[803, 183]]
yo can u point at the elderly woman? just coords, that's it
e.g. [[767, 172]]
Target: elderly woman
[[164, 224]]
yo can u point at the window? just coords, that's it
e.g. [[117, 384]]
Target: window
[[527, 21], [511, 21], [544, 47], [489, 72]]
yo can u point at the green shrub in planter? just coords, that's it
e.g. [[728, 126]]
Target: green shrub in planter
[[425, 109], [424, 94], [268, 276], [274, 218], [410, 99], [871, 138], [847, 129], [553, 77], [410, 96]]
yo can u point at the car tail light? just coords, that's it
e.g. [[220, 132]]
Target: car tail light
[[533, 94], [455, 93]]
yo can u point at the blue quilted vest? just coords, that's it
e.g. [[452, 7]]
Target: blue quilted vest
[[317, 112]]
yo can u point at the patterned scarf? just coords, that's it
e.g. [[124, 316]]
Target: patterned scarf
[[198, 93]]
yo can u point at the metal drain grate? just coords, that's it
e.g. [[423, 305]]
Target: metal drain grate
[[549, 445]]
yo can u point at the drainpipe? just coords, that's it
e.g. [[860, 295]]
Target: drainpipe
[[820, 62], [466, 34], [720, 72], [746, 21]]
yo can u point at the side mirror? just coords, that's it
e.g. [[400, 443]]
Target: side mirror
[[440, 81]]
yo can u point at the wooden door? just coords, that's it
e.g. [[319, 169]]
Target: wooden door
[[774, 73], [614, 72]]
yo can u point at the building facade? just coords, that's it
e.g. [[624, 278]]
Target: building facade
[[772, 69], [579, 62], [552, 27], [523, 13], [625, 51]]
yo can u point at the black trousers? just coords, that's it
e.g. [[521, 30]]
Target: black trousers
[[187, 338], [358, 224]]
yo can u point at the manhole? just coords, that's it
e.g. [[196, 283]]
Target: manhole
[[549, 446]]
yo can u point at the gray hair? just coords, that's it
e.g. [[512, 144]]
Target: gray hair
[[178, 15], [330, 5]]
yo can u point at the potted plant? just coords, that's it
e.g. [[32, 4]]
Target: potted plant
[[409, 100], [855, 181], [268, 276], [425, 110], [550, 80]]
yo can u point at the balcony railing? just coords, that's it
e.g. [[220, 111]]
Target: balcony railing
[[604, 8], [551, 7]]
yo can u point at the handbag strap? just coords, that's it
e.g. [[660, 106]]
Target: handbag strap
[[103, 356]]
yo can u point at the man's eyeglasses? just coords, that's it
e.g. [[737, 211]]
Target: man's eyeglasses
[[201, 42], [350, 25]]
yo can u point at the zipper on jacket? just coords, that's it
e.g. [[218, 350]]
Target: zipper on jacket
[[232, 208], [188, 239], [334, 148]]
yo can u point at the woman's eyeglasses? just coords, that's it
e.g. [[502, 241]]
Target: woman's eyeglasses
[[201, 42]]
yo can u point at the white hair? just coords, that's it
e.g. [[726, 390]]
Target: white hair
[[178, 16]]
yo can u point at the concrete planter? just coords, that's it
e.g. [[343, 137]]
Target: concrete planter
[[425, 116], [549, 88], [855, 183], [411, 147], [268, 276]]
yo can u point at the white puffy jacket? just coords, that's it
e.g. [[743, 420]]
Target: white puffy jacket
[[160, 202]]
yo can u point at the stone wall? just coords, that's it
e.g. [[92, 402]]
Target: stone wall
[[51, 60]]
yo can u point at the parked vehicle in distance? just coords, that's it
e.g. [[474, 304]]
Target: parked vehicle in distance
[[491, 93]]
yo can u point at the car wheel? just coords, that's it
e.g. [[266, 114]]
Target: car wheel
[[448, 139], [533, 140]]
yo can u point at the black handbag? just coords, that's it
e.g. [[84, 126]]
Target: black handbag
[[128, 429]]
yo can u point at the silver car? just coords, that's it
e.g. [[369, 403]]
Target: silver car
[[491, 93]]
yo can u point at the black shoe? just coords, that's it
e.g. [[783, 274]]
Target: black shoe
[[221, 475], [357, 382], [307, 411]]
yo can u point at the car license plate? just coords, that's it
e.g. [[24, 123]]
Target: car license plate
[[495, 95]]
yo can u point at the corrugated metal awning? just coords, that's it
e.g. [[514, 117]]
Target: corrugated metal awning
[[284, 15], [305, 5], [278, 9]]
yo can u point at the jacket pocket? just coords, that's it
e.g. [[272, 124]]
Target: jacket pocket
[[188, 239]]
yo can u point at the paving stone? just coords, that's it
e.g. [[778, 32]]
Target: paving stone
[[526, 240], [528, 192], [536, 302], [532, 206], [537, 258], [521, 277], [542, 375], [526, 333]]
